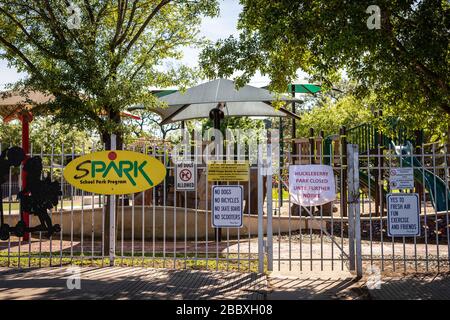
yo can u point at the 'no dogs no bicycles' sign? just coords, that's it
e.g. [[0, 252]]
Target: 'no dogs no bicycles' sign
[[226, 203]]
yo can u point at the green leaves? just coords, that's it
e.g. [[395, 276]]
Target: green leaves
[[407, 60], [120, 50]]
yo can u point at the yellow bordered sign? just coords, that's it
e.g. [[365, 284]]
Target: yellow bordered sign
[[115, 172], [223, 171]]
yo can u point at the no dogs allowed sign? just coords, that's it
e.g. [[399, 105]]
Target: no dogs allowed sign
[[227, 206], [185, 179]]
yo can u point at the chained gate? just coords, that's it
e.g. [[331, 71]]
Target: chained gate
[[170, 227]]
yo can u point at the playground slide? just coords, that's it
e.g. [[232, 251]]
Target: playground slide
[[365, 181], [440, 196], [364, 184]]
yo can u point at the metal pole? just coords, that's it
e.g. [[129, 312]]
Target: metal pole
[[280, 163], [260, 214], [357, 217], [343, 136], [25, 119], [269, 209], [216, 115], [352, 197], [112, 215], [294, 126]]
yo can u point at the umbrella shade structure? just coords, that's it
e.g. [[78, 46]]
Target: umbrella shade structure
[[15, 106], [198, 101]]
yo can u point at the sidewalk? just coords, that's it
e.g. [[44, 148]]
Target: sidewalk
[[146, 283], [318, 285], [130, 283], [413, 287], [342, 285]]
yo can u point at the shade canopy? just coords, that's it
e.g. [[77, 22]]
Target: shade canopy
[[197, 102], [13, 103]]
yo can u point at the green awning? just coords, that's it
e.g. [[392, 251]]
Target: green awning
[[304, 88], [162, 93]]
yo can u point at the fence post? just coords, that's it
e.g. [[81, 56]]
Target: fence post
[[112, 215], [269, 209], [260, 213], [351, 205], [354, 222]]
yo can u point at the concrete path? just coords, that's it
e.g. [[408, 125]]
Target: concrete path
[[129, 283], [413, 287], [147, 283]]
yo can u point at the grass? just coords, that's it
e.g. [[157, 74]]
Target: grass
[[227, 263], [67, 204], [275, 193], [14, 206]]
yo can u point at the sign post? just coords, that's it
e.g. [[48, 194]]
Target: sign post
[[112, 215], [403, 215], [114, 172]]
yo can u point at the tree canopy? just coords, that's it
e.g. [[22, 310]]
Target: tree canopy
[[46, 136], [98, 57], [405, 62]]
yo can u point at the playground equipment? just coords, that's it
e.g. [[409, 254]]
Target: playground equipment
[[372, 142], [439, 195], [37, 197]]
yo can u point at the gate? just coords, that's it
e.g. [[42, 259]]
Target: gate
[[352, 233], [314, 238]]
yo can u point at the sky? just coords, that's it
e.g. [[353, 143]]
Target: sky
[[212, 28]]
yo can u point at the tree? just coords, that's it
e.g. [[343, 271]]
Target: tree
[[406, 62], [330, 115], [45, 136], [149, 125], [98, 57]]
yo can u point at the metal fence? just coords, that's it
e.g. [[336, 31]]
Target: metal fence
[[163, 227], [429, 251]]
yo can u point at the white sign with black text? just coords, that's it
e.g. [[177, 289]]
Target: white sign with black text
[[401, 178], [403, 214], [186, 173], [226, 204]]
